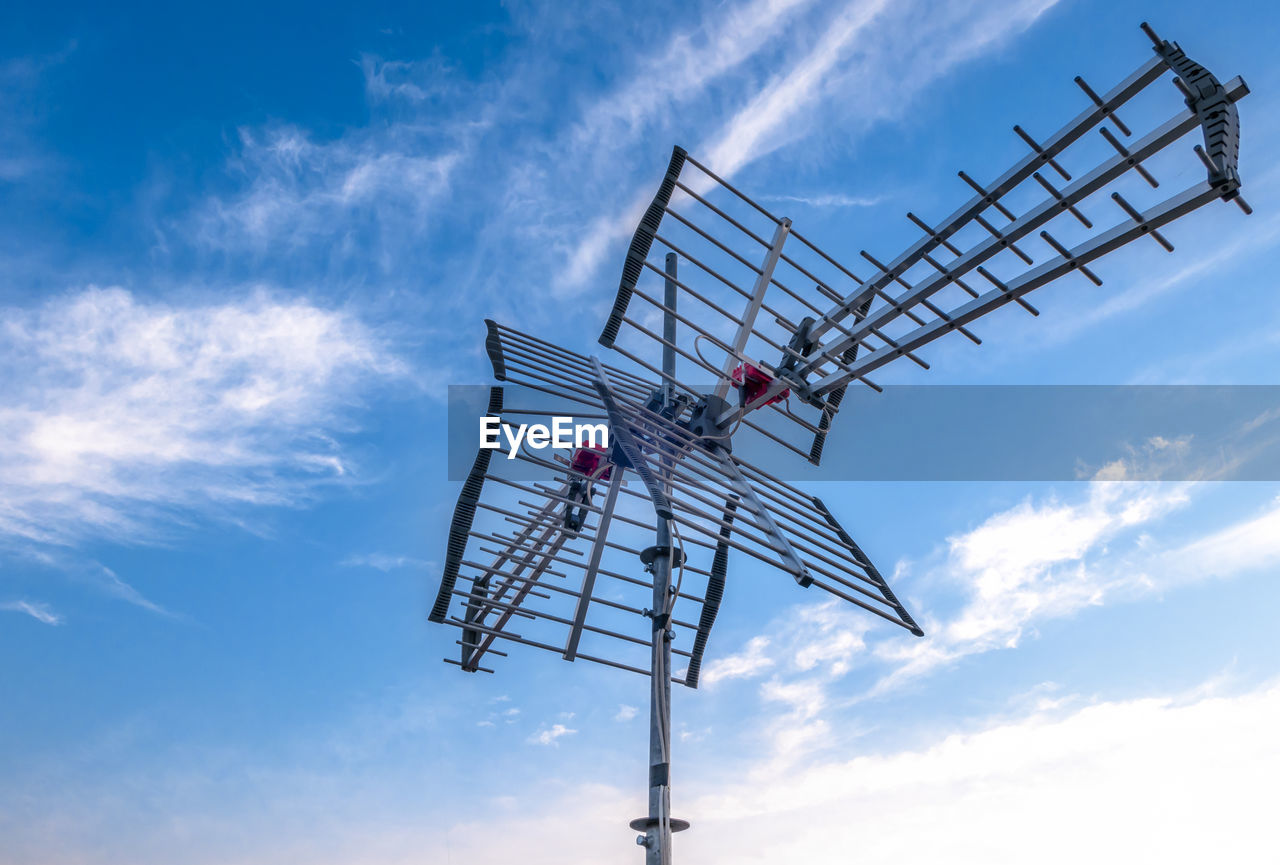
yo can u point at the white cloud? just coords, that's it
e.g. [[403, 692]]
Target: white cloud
[[301, 192], [825, 637], [827, 200], [1031, 563], [508, 716], [587, 255], [665, 81], [384, 562], [1238, 548], [805, 699], [108, 581], [683, 68], [1013, 562], [809, 75], [1137, 293], [749, 662], [1156, 779], [873, 57], [549, 735], [821, 638], [122, 416], [23, 156], [813, 646], [759, 126], [438, 152], [800, 728], [625, 712], [1178, 779], [416, 81], [37, 610]]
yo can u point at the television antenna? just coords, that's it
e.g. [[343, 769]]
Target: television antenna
[[532, 562]]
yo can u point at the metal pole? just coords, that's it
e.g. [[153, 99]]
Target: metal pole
[[658, 828]]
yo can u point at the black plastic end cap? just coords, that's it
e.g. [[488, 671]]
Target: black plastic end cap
[[493, 345]]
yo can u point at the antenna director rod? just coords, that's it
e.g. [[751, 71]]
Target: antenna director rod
[[1055, 144]]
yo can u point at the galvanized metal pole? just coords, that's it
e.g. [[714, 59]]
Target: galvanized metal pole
[[658, 830]]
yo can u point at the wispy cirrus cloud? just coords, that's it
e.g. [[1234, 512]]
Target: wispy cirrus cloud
[[853, 57], [671, 81], [352, 197], [682, 69], [22, 161], [108, 581], [520, 191], [777, 113], [827, 200], [859, 58], [1255, 237], [123, 417], [447, 155], [37, 610], [384, 561]]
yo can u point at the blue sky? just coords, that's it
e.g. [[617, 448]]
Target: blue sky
[[244, 251]]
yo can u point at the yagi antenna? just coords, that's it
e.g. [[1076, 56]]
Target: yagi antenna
[[780, 328], [762, 297]]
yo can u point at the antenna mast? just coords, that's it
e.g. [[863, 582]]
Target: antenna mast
[[659, 825], [540, 556]]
